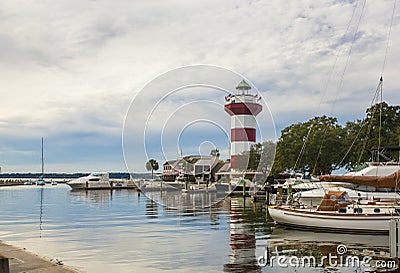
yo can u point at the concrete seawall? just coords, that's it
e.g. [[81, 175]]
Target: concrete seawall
[[20, 260]]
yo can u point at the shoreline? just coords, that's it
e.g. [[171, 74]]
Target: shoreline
[[22, 260]]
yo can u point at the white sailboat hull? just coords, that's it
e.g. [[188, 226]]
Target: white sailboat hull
[[331, 221]]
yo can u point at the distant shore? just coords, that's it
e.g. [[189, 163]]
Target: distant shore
[[69, 176], [19, 182]]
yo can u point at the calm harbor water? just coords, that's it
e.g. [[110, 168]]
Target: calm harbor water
[[120, 231]]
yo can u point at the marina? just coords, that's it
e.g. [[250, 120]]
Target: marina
[[158, 137], [121, 231]]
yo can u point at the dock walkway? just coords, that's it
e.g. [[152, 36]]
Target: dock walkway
[[20, 260]]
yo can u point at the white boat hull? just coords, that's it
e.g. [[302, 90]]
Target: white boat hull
[[97, 180], [89, 185], [156, 185], [331, 221]]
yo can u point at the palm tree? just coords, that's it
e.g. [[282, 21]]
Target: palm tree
[[152, 165], [214, 152]]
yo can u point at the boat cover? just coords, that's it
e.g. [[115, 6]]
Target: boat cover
[[388, 181]]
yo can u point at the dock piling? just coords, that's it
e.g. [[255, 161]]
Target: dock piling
[[394, 235], [4, 264], [267, 204]]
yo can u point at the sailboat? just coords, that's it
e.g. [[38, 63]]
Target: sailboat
[[40, 181], [339, 212]]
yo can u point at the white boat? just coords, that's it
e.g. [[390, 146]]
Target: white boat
[[314, 197], [151, 185], [338, 212], [313, 192], [96, 180], [236, 185], [202, 188], [377, 169], [40, 181], [176, 184], [53, 183], [373, 169]]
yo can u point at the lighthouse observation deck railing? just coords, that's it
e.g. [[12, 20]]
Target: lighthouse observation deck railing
[[244, 98]]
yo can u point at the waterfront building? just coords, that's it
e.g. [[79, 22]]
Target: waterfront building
[[192, 167]]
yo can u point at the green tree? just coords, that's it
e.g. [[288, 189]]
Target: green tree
[[259, 158], [267, 157], [380, 128], [152, 165], [310, 146], [321, 145]]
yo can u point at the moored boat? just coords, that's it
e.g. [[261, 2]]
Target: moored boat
[[314, 196], [236, 185], [96, 180], [338, 212], [40, 181], [151, 185]]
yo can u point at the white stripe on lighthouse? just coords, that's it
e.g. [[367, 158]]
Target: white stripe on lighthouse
[[240, 146], [243, 121]]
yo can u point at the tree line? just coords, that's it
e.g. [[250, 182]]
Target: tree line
[[321, 145]]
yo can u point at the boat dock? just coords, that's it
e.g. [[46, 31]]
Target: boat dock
[[13, 260]]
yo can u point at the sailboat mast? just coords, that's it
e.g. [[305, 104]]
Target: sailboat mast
[[42, 159]]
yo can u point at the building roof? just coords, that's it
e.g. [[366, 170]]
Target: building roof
[[170, 162], [206, 160], [225, 167], [243, 85]]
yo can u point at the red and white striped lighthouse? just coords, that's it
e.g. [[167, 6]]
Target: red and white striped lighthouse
[[243, 107]]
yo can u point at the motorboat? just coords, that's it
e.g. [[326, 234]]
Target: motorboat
[[96, 180], [340, 213], [40, 181]]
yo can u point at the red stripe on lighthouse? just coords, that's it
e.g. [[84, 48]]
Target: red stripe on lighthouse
[[243, 108], [243, 134]]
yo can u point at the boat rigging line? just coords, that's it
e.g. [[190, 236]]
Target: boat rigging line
[[388, 37], [341, 80], [378, 93], [299, 157]]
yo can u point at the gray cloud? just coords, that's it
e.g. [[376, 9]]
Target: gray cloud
[[71, 66]]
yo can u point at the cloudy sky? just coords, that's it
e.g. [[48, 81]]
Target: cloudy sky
[[70, 70]]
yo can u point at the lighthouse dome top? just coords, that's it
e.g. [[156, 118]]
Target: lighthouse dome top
[[243, 85]]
